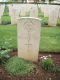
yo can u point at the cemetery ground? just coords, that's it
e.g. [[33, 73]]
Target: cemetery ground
[[49, 47]]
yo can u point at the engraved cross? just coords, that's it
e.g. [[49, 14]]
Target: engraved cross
[[29, 28]]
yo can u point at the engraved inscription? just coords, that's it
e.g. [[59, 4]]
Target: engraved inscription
[[28, 38], [28, 27]]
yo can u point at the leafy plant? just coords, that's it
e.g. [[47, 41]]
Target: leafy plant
[[4, 55], [44, 21], [6, 20], [18, 66], [49, 65]]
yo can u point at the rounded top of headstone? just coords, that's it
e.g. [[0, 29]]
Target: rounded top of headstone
[[29, 18]]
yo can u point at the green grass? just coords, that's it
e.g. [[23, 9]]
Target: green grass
[[50, 38], [8, 36], [18, 66]]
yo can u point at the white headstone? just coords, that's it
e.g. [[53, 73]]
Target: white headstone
[[13, 13], [46, 1], [34, 11], [28, 36], [46, 10], [2, 7], [13, 19], [22, 10], [53, 16], [42, 7]]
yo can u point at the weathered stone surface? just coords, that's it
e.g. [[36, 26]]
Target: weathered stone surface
[[53, 16], [34, 11], [28, 36]]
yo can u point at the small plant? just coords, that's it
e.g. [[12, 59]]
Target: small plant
[[19, 66], [4, 55], [45, 21], [48, 64], [6, 20]]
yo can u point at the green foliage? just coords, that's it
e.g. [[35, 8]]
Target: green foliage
[[49, 65], [5, 19], [4, 55], [50, 39], [56, 69], [8, 36], [58, 22], [40, 14], [44, 21], [18, 66]]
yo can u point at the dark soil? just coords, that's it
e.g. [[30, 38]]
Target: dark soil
[[39, 73]]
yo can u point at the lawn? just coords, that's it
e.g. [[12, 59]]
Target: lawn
[[50, 38], [8, 36]]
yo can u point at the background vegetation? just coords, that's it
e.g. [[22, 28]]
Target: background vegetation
[[6, 19], [50, 38]]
